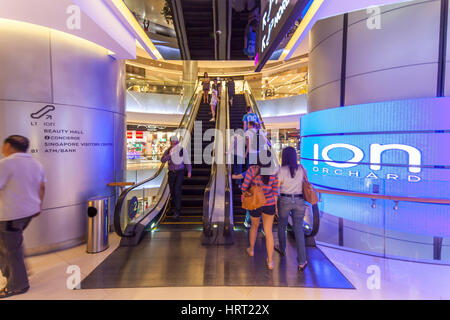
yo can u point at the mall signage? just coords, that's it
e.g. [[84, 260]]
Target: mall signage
[[403, 144], [277, 18], [139, 134], [374, 152]]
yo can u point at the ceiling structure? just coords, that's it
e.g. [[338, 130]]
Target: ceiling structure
[[202, 42]]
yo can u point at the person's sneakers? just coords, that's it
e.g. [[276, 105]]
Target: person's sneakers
[[5, 293], [212, 119], [247, 225]]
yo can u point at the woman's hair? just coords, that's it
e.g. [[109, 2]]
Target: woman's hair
[[205, 75], [289, 158]]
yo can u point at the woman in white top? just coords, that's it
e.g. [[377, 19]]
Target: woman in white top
[[213, 103], [291, 176]]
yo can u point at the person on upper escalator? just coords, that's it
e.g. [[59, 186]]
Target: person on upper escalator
[[255, 141], [205, 85], [179, 161], [231, 90], [214, 100], [249, 116]]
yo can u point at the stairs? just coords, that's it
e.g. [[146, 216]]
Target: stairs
[[199, 23], [240, 20]]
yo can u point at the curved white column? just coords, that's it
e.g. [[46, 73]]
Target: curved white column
[[397, 61], [86, 88]]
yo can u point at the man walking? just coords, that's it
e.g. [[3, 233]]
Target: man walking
[[22, 188], [179, 161]]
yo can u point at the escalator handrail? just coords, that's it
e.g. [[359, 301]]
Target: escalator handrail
[[207, 216], [228, 185], [119, 204], [163, 208]]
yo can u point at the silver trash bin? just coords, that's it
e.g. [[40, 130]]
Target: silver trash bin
[[98, 224]]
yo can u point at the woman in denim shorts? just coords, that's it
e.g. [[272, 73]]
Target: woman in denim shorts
[[258, 175]]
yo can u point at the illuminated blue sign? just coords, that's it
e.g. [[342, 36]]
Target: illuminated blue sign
[[397, 148]]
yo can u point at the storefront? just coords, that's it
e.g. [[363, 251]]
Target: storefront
[[147, 143], [282, 138]]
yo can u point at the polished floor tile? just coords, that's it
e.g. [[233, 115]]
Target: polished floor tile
[[398, 280], [177, 259]]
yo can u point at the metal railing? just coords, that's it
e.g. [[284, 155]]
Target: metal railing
[[228, 181], [374, 197]]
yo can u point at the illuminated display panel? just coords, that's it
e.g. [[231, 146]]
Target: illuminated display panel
[[277, 18], [396, 148]]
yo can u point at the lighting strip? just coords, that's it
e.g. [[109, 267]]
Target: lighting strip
[[301, 29], [139, 32]]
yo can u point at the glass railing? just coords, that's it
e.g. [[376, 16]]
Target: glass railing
[[150, 195]]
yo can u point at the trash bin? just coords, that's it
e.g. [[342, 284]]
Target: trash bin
[[97, 233]]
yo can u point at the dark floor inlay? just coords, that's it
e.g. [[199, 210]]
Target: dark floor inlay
[[177, 259]]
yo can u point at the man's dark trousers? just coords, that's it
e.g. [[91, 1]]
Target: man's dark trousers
[[176, 179], [12, 263]]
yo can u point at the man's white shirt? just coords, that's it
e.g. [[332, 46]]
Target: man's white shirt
[[20, 180]]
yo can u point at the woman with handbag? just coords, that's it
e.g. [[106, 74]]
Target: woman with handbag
[[260, 197], [293, 178]]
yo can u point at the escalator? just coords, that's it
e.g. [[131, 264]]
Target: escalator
[[199, 27], [194, 188], [146, 206], [239, 24], [312, 215], [170, 257], [210, 29], [237, 112]]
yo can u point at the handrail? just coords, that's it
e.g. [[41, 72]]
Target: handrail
[[228, 185], [122, 197], [120, 184], [383, 197], [207, 218]]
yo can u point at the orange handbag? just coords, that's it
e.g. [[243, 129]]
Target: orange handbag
[[309, 194], [253, 198]]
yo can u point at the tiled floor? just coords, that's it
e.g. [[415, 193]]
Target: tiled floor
[[177, 258], [398, 280]]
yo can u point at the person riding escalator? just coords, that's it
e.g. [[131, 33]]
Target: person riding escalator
[[179, 162]]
